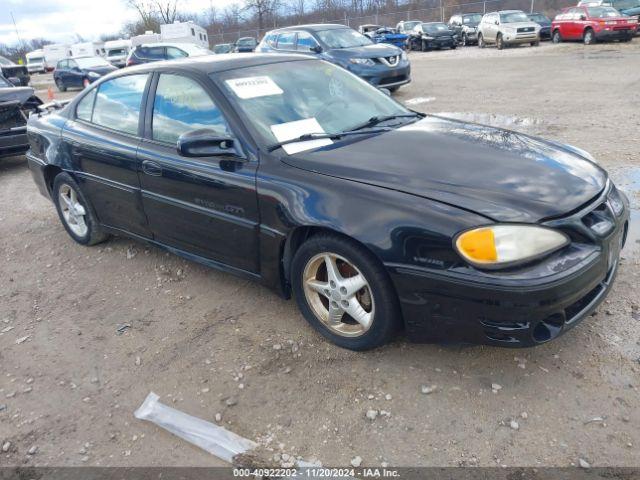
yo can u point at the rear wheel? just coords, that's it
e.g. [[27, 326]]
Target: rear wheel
[[60, 86], [344, 292], [75, 212], [536, 43], [499, 42], [589, 37], [424, 46], [555, 37]]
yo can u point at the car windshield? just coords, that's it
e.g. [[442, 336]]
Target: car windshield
[[311, 97], [603, 12], [513, 17], [222, 48], [246, 41], [411, 25], [34, 60], [539, 18], [475, 18], [343, 38], [4, 83], [434, 27], [5, 61], [91, 62]]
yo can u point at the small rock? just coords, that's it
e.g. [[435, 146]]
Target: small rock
[[277, 346], [371, 396], [524, 415], [372, 414], [356, 461], [22, 339], [218, 417], [138, 361], [94, 380], [384, 464], [388, 396], [131, 252], [85, 459], [514, 425], [205, 390], [29, 381], [428, 389], [32, 450], [6, 446], [3, 407], [82, 451], [583, 463], [231, 401], [495, 387]]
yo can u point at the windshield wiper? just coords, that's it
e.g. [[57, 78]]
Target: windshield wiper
[[318, 136], [373, 121]]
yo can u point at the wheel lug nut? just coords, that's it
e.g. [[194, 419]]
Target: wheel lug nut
[[343, 290], [345, 304], [333, 284], [334, 304]]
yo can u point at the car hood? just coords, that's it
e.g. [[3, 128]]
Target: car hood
[[520, 24], [367, 51], [440, 33], [12, 94], [503, 175], [102, 70]]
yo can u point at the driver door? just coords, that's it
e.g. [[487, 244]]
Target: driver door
[[206, 206]]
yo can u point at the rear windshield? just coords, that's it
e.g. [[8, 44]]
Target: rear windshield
[[602, 12], [434, 27], [343, 38]]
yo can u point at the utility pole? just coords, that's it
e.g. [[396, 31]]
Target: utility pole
[[532, 3], [17, 34]]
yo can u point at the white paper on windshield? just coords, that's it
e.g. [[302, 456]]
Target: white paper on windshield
[[253, 87], [290, 130]]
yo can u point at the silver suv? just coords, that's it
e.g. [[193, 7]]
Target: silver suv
[[507, 27]]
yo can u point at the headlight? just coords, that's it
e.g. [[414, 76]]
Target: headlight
[[500, 246], [93, 75], [362, 61]]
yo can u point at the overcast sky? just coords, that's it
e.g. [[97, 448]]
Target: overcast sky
[[59, 20]]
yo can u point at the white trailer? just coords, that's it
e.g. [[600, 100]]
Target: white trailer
[[36, 62], [184, 32], [147, 37], [88, 49], [117, 52], [54, 53]]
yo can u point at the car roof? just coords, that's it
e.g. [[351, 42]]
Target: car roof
[[215, 62], [313, 27], [170, 44]]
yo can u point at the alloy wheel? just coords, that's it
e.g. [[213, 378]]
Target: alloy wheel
[[339, 294], [72, 210]]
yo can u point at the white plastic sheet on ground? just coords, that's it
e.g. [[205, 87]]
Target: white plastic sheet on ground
[[210, 437]]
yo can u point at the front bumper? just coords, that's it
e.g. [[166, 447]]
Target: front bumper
[[384, 76], [617, 34], [519, 38], [512, 309], [13, 141], [545, 33]]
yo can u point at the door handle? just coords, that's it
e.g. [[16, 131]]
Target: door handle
[[151, 168]]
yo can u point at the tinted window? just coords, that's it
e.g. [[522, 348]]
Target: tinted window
[[343, 38], [62, 65], [153, 53], [173, 52], [85, 106], [306, 42], [182, 105], [118, 103], [286, 40]]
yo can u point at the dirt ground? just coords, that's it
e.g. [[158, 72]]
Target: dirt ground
[[209, 343]]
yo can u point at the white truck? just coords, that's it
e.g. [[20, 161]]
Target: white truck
[[117, 52], [54, 53], [184, 32], [88, 49], [145, 38], [36, 62]]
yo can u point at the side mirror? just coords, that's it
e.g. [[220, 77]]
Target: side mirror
[[207, 143], [497, 22], [583, 17], [316, 49], [14, 81]]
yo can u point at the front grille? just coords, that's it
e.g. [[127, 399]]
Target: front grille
[[525, 29], [390, 61]]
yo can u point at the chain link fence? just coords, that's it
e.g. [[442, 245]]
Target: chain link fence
[[432, 14]]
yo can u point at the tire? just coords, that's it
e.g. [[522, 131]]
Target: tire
[[454, 46], [464, 41], [376, 301], [394, 89], [91, 234], [423, 46], [481, 43], [536, 43], [555, 37], [499, 42], [589, 37], [60, 86]]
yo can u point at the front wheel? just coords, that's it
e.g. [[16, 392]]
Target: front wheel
[[75, 211], [499, 42], [480, 41], [556, 38], [424, 46], [61, 86], [589, 37], [464, 40], [536, 43], [344, 292]]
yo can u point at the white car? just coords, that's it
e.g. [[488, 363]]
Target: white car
[[507, 27]]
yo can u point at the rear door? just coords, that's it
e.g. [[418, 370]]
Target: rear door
[[74, 75], [204, 206], [103, 139]]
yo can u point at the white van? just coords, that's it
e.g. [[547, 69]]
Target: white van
[[35, 62], [146, 38], [117, 52], [54, 53], [88, 49]]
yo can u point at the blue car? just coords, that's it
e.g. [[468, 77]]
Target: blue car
[[80, 71], [382, 65]]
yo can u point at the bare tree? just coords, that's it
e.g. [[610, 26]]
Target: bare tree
[[147, 11], [167, 9], [261, 9]]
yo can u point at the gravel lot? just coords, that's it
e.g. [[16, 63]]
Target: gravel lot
[[69, 383]]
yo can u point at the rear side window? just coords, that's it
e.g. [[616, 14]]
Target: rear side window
[[286, 40], [182, 105], [117, 104], [152, 53], [173, 52], [85, 106]]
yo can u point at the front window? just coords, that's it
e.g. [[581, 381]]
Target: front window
[[313, 91], [91, 62], [306, 43], [246, 42], [471, 19], [35, 60], [513, 17], [434, 28], [116, 51], [603, 12], [343, 38], [182, 105]]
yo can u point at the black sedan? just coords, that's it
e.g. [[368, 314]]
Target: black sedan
[[80, 71], [16, 103], [432, 35], [544, 22], [294, 172]]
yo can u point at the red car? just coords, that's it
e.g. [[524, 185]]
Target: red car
[[590, 24]]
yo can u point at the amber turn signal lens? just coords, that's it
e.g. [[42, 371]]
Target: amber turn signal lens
[[479, 245]]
